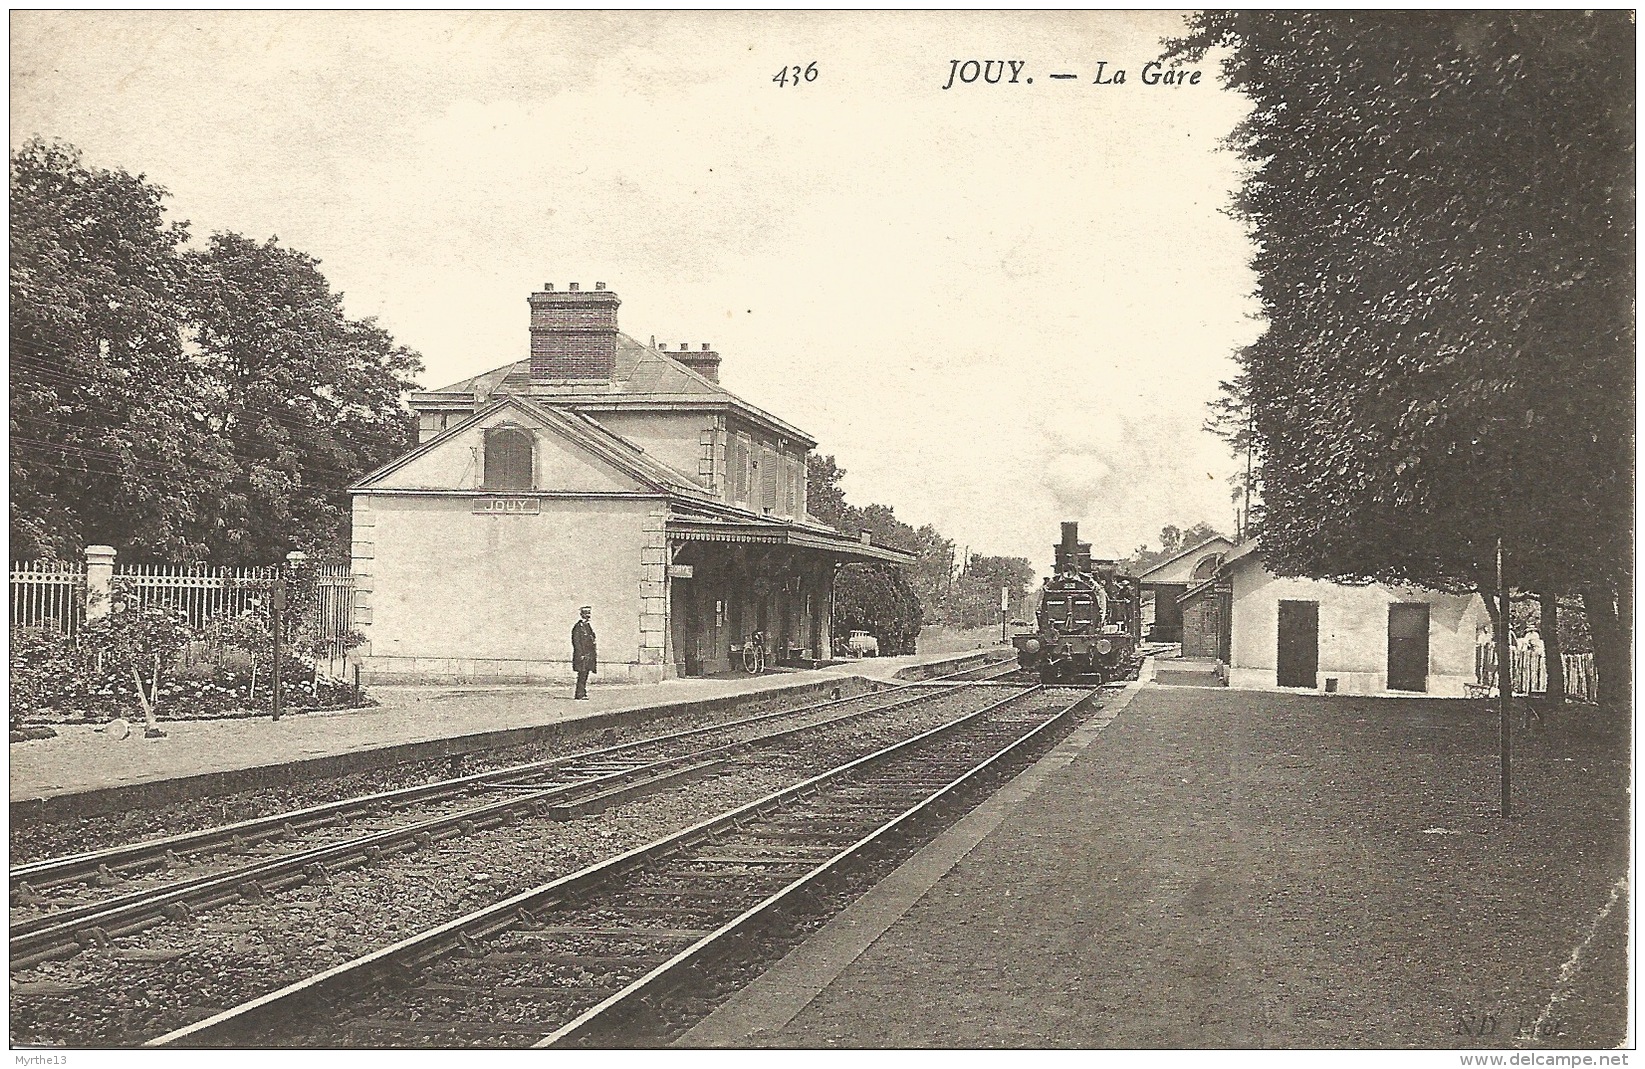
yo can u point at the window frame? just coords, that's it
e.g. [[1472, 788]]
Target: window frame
[[490, 479]]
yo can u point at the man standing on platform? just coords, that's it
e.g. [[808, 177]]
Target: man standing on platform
[[584, 659]]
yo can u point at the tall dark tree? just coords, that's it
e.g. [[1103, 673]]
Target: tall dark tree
[[933, 569], [1443, 207], [878, 598], [308, 399], [110, 439], [872, 597], [824, 497], [180, 406]]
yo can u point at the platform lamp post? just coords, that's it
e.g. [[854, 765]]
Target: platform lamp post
[[294, 561]]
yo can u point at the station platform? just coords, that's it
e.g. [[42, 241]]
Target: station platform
[[85, 771], [1201, 868]]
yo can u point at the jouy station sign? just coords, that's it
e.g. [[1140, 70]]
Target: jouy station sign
[[507, 506]]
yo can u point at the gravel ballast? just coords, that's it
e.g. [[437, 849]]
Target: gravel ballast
[[144, 985]]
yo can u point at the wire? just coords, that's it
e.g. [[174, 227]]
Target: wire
[[304, 462], [49, 364], [155, 465], [54, 374]]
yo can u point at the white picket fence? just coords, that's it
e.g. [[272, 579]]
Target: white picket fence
[[1530, 672], [48, 593], [53, 594], [203, 594], [331, 615]]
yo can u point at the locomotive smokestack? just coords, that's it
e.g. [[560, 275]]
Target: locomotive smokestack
[[1068, 549]]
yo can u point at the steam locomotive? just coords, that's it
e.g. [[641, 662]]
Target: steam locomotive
[[1089, 618]]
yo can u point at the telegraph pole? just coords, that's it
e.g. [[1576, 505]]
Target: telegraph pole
[[1505, 681]]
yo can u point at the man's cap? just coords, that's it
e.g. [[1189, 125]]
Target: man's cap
[[586, 608]]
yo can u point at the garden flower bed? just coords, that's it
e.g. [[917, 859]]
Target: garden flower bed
[[151, 662]]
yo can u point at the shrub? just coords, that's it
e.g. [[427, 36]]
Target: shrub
[[42, 664], [151, 661]]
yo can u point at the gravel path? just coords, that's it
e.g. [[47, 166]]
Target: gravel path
[[1228, 869]]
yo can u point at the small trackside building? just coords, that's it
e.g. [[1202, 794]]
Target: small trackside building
[[1277, 633], [1170, 579], [598, 471]]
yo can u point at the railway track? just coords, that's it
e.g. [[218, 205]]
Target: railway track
[[574, 959], [416, 818]]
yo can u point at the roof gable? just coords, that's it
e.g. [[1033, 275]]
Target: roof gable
[[1180, 568], [574, 454]]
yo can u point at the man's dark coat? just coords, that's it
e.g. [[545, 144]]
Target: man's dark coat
[[584, 658]]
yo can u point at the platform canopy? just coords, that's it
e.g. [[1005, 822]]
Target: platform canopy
[[736, 526]]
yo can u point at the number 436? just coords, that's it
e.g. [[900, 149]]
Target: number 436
[[795, 75]]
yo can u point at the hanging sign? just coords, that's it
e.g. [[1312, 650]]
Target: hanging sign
[[680, 571]]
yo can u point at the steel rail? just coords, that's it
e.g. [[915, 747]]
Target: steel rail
[[49, 872], [432, 943], [63, 932], [656, 977]]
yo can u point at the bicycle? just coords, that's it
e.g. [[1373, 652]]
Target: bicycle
[[754, 653]]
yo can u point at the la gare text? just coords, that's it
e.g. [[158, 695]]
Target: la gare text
[[962, 72]]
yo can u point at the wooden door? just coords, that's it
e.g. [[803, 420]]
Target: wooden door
[[682, 628], [1298, 662], [1408, 646]]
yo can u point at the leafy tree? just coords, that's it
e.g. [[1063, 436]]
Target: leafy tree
[[109, 435], [307, 399], [1173, 540], [975, 599], [824, 497], [179, 406], [932, 572], [142, 641], [871, 597], [878, 598], [971, 601], [1443, 208]]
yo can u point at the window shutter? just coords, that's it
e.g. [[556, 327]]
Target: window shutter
[[768, 480], [739, 469], [508, 459]]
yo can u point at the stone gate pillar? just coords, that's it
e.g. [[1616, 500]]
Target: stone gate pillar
[[99, 581]]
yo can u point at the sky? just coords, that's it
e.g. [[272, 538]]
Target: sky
[[999, 306]]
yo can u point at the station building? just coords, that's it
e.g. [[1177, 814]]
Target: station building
[[1270, 632], [595, 471]]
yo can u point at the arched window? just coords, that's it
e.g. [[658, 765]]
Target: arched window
[[1207, 566], [508, 459]]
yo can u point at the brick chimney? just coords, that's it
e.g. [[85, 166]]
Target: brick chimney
[[573, 334], [705, 361]]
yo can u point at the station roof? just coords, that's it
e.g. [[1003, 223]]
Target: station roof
[[642, 377], [693, 524], [1178, 568]]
